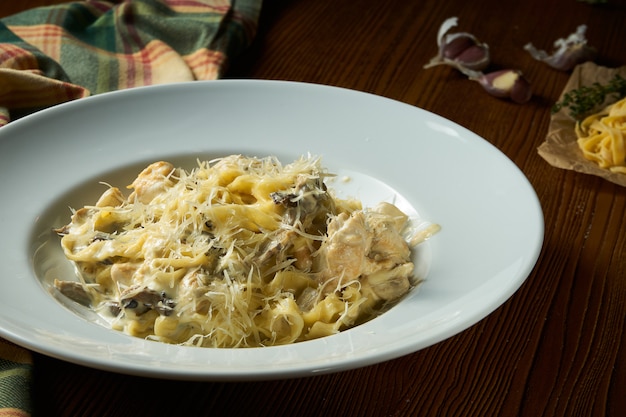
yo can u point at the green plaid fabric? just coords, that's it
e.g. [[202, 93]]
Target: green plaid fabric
[[54, 54], [15, 380]]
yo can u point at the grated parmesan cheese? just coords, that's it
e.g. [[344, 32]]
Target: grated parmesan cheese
[[237, 252]]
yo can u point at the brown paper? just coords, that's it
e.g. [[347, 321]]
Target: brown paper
[[561, 148]]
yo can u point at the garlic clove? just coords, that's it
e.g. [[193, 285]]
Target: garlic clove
[[462, 50], [569, 51], [456, 46], [506, 83], [476, 57]]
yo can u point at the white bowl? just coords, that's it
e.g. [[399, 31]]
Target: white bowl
[[492, 223]]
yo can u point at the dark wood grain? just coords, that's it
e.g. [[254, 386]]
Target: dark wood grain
[[557, 347]]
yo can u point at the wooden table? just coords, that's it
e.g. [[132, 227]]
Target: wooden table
[[557, 347]]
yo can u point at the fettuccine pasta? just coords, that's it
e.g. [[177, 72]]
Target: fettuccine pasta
[[602, 137], [238, 252]]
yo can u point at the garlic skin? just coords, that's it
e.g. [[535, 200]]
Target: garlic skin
[[462, 51], [569, 51], [507, 83]]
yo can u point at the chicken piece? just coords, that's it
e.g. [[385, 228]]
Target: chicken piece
[[151, 182], [343, 253], [389, 247], [368, 246]]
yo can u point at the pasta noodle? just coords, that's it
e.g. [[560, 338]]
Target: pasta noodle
[[602, 137], [238, 252]]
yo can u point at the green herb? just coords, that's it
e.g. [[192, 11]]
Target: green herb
[[585, 99]]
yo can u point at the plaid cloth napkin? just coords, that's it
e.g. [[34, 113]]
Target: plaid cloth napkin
[[15, 380], [50, 55]]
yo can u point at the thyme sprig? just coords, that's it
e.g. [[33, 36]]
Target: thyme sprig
[[585, 99]]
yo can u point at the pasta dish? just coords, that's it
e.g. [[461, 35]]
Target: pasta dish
[[237, 252], [602, 137]]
